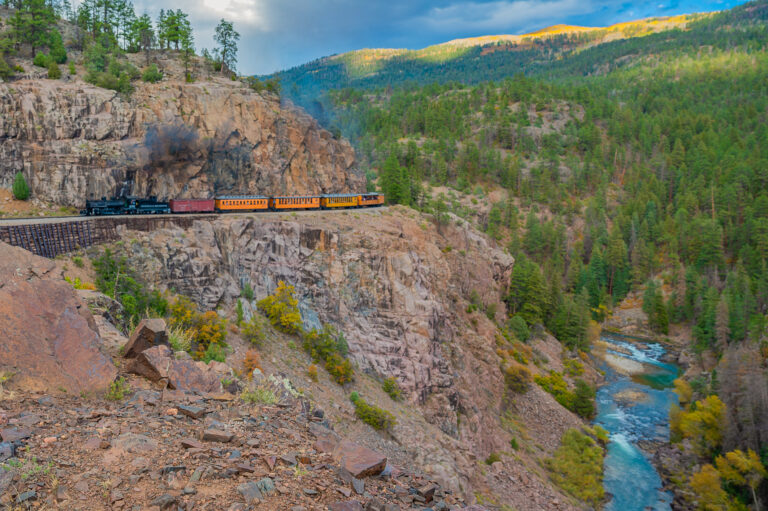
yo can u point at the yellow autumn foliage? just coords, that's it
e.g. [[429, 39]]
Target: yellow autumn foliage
[[282, 309]]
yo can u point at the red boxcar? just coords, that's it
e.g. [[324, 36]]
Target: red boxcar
[[192, 205]]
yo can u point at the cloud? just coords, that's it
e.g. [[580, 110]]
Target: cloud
[[277, 34], [501, 16]]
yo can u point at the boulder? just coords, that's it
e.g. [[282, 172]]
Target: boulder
[[49, 338], [149, 333], [360, 461], [158, 364]]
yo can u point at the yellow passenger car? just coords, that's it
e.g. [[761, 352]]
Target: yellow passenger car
[[241, 203], [340, 201], [371, 199], [294, 202]]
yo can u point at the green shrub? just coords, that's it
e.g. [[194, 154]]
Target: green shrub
[[329, 345], [513, 444], [253, 331], [119, 83], [5, 70], [518, 378], [492, 458], [151, 74], [519, 327], [247, 292], [584, 400], [239, 312], [372, 415], [115, 279], [217, 352], [577, 467], [118, 389], [54, 73], [57, 51], [40, 60], [391, 387], [581, 401], [72, 69], [78, 261], [20, 188], [282, 309], [321, 344]]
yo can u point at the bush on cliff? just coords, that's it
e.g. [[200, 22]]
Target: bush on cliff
[[518, 378], [54, 73], [580, 401], [282, 309], [151, 74], [207, 330], [5, 70], [57, 51], [253, 329], [372, 415], [329, 345], [40, 60], [391, 387], [20, 188]]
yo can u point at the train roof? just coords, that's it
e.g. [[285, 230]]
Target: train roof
[[341, 195], [296, 196], [230, 197]]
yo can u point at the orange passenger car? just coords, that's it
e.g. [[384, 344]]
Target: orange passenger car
[[371, 199], [294, 202], [339, 201], [242, 203]]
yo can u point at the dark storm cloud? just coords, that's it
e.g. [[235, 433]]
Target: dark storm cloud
[[277, 34]]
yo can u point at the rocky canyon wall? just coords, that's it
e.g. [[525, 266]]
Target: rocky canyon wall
[[74, 141], [399, 290]]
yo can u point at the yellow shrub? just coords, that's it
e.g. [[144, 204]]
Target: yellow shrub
[[312, 372], [282, 309], [518, 378]]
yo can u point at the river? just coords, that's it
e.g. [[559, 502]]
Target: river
[[633, 405]]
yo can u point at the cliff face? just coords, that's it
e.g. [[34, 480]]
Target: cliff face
[[399, 290], [73, 141]]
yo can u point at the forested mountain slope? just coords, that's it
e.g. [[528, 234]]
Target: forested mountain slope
[[556, 52], [640, 166]]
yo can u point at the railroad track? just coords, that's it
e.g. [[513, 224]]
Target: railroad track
[[53, 236], [268, 214]]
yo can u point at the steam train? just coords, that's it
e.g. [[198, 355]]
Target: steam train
[[228, 203]]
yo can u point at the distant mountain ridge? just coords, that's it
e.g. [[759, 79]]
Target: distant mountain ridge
[[556, 51]]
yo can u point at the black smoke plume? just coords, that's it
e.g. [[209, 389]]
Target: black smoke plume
[[170, 143]]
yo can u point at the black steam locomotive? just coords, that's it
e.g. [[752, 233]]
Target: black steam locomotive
[[125, 206]]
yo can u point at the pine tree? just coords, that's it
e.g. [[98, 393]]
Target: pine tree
[[20, 188], [226, 36]]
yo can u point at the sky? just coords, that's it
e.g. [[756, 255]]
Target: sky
[[279, 34]]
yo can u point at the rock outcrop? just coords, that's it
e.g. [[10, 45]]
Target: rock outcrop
[[159, 364], [73, 141], [49, 338], [400, 291]]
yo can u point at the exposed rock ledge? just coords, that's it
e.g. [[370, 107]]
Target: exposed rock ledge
[[73, 141]]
